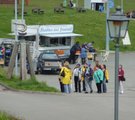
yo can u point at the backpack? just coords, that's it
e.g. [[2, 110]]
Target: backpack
[[89, 73], [62, 74], [73, 49]]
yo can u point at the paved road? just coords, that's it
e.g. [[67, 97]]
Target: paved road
[[76, 106]]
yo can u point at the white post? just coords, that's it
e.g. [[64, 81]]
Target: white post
[[77, 5], [122, 6], [107, 33], [22, 10], [16, 38]]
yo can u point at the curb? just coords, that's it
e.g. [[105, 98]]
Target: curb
[[28, 91]]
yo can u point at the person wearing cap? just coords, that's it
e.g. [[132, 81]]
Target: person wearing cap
[[88, 78], [77, 80]]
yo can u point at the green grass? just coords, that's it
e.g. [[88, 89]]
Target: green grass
[[6, 116], [31, 84], [91, 24]]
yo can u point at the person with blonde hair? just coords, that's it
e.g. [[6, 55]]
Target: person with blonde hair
[[66, 75], [83, 70]]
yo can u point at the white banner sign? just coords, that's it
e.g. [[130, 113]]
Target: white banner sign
[[19, 27], [126, 40], [53, 29]]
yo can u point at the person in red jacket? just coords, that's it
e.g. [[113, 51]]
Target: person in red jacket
[[121, 78]]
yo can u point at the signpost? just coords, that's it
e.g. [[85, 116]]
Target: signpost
[[16, 38], [110, 4]]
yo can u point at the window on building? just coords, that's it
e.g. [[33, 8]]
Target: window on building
[[27, 38], [51, 42]]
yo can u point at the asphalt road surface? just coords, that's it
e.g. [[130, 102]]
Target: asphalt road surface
[[75, 106]]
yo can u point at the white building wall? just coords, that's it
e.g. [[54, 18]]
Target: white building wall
[[90, 4], [87, 4]]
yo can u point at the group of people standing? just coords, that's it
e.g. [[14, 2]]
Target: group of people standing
[[84, 75]]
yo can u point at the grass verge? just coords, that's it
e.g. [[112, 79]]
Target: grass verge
[[6, 116], [30, 84]]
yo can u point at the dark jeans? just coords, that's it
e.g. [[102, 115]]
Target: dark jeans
[[77, 83], [61, 87], [98, 87], [84, 88], [104, 86], [83, 60], [72, 58]]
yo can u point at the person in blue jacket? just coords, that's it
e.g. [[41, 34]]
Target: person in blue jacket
[[98, 76], [83, 54]]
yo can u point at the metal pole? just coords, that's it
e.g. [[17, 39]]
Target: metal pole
[[77, 3], [107, 33], [122, 6], [116, 95], [64, 3], [22, 10], [16, 38]]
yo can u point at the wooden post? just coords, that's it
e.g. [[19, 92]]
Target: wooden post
[[30, 61], [12, 60], [23, 61]]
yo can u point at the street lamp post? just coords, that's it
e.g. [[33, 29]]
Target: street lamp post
[[122, 5], [118, 26]]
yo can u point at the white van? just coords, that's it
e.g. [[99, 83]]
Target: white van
[[50, 37], [58, 38]]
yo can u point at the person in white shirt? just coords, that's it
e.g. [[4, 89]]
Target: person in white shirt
[[77, 80]]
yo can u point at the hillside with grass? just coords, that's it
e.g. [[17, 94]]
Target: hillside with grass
[[91, 23]]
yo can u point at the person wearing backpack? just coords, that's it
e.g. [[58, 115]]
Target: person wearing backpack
[[88, 78], [73, 56], [66, 78]]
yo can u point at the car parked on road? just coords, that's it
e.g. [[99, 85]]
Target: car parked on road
[[48, 60]]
